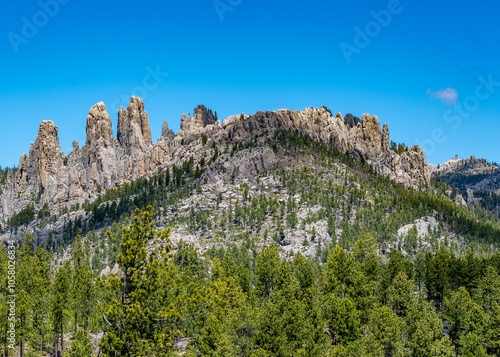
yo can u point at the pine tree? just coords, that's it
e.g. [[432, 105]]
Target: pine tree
[[24, 290], [266, 271], [81, 345], [40, 295], [471, 346], [331, 226], [227, 299], [343, 276], [463, 314], [425, 330], [388, 330], [82, 285], [493, 329], [401, 294], [342, 317], [137, 322], [60, 303], [367, 346]]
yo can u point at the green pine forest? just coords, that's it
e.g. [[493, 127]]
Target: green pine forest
[[367, 292]]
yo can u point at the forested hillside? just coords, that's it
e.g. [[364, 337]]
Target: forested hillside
[[278, 234], [241, 301], [318, 255]]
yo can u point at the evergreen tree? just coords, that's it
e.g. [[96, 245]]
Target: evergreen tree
[[137, 322], [25, 264], [343, 276], [493, 329], [60, 303], [366, 346], [82, 286], [331, 226], [342, 318], [40, 295], [81, 345], [463, 315], [401, 294], [425, 331], [266, 271], [388, 329]]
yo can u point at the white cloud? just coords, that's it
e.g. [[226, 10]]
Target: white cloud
[[447, 96]]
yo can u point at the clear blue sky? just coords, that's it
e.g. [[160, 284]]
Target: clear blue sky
[[428, 58]]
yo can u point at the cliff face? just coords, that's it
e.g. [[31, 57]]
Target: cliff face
[[134, 133], [48, 176], [39, 172]]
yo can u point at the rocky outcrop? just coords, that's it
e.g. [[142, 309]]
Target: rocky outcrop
[[99, 149], [362, 142], [385, 138], [134, 132], [166, 132], [459, 200], [203, 117], [38, 172], [471, 173], [371, 129], [351, 121], [99, 128], [185, 122], [247, 164]]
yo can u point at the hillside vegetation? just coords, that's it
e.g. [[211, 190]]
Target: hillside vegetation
[[318, 255]]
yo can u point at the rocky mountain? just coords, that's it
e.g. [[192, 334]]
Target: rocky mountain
[[48, 178], [464, 167], [476, 179]]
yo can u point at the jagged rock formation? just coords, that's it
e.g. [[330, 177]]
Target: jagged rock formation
[[105, 162], [351, 121], [99, 128], [134, 133], [191, 127], [39, 171], [385, 138], [99, 149], [166, 132], [185, 121], [473, 174], [203, 117]]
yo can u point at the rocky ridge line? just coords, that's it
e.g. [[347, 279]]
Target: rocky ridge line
[[46, 175]]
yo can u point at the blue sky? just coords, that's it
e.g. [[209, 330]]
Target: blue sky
[[428, 69]]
